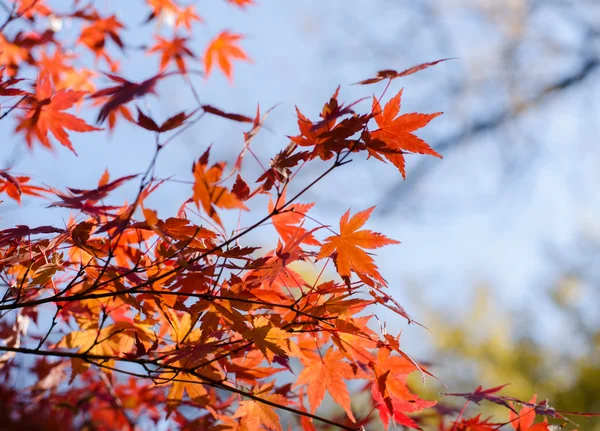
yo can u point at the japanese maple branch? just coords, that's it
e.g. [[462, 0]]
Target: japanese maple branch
[[205, 296], [12, 108], [340, 161], [12, 16], [208, 381]]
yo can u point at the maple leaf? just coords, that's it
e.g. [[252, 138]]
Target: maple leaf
[[223, 49], [288, 221], [267, 337], [390, 391], [241, 3], [77, 80], [396, 408], [235, 117], [12, 55], [206, 191], [392, 74], [95, 34], [172, 50], [20, 230], [123, 93], [5, 86], [191, 385], [166, 10], [255, 415], [473, 424], [248, 367], [354, 339], [103, 189], [240, 188], [161, 6], [169, 124], [55, 65], [84, 200], [28, 8], [481, 394], [280, 166], [327, 373], [107, 341], [349, 245], [17, 186], [186, 16], [327, 137], [395, 131], [114, 114], [523, 421], [46, 115]]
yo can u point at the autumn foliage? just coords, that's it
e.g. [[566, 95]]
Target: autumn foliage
[[122, 319]]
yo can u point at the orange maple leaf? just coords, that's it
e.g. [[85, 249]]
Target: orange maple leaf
[[396, 132], [46, 115], [206, 191], [56, 65], [350, 242], [390, 392], [327, 373], [242, 3], [189, 383], [77, 80], [12, 55], [28, 8], [17, 186], [167, 10], [172, 50], [224, 48], [94, 36], [354, 339], [255, 415], [267, 337], [524, 420], [288, 223], [185, 17]]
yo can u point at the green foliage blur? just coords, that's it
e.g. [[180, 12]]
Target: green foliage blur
[[484, 344]]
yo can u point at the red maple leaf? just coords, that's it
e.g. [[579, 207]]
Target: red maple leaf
[[327, 373], [288, 222], [46, 115], [396, 132], [523, 421], [17, 186], [5, 86], [123, 93], [392, 74], [172, 50], [207, 191], [94, 36], [481, 394], [241, 3]]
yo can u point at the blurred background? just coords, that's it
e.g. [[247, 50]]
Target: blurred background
[[500, 253]]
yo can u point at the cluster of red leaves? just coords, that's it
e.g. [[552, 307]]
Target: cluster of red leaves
[[140, 317]]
